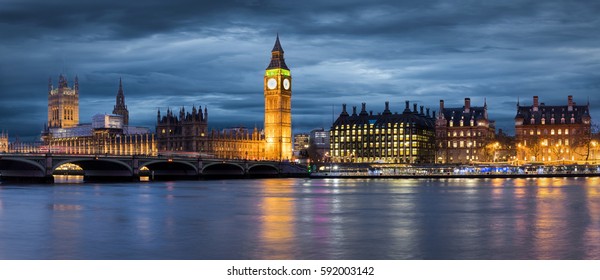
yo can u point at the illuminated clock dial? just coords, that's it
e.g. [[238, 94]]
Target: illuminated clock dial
[[272, 83], [286, 84]]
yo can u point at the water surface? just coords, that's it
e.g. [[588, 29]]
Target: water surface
[[543, 218]]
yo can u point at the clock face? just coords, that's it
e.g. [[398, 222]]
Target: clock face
[[272, 83], [286, 84]]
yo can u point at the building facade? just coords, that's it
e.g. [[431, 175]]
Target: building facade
[[63, 103], [186, 132], [301, 142], [408, 137], [553, 134], [464, 135]]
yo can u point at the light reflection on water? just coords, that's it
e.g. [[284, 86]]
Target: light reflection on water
[[543, 218]]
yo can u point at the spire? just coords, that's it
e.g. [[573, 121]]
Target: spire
[[62, 81], [277, 47], [120, 107], [277, 60], [49, 84], [76, 86]]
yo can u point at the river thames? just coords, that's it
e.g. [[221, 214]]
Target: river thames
[[541, 218]]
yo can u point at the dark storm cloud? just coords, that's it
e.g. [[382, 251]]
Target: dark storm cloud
[[213, 54]]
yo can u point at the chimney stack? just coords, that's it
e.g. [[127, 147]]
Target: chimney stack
[[363, 111], [535, 102], [571, 104], [467, 105], [387, 108]]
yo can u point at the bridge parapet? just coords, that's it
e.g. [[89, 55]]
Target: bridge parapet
[[128, 168]]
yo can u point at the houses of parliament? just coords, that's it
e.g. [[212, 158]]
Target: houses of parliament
[[188, 131], [183, 132]]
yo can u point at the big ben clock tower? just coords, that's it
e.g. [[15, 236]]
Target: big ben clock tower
[[278, 106]]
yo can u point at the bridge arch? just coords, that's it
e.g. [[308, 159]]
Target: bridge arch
[[17, 167], [263, 170], [223, 169], [170, 169], [97, 164]]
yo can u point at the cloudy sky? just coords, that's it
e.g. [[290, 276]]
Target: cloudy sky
[[213, 53]]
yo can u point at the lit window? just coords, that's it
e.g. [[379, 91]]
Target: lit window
[[552, 132]]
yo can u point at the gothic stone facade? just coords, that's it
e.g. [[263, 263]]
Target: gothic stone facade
[[63, 104]]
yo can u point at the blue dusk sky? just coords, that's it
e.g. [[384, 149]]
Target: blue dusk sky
[[213, 53]]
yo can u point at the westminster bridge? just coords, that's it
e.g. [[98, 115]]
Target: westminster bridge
[[42, 167]]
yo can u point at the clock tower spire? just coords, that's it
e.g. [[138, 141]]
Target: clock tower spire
[[278, 105]]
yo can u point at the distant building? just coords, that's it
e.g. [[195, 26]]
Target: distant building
[[3, 142], [464, 134], [106, 134], [301, 143], [120, 107], [552, 134], [318, 146], [63, 103], [408, 137]]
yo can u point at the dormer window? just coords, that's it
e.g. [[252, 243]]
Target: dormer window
[[472, 122], [532, 121], [552, 121], [461, 122], [562, 120], [543, 120]]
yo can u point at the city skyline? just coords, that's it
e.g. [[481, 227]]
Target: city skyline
[[184, 53]]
